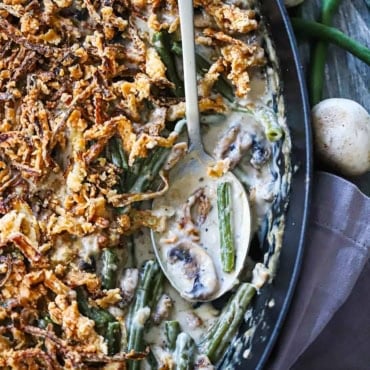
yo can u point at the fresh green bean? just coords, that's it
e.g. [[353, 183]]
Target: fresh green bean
[[144, 172], [130, 246], [117, 154], [184, 353], [156, 291], [172, 331], [318, 60], [224, 207], [221, 85], [105, 322], [274, 133], [237, 108], [150, 169], [152, 361], [268, 118], [333, 35], [45, 321], [148, 272], [134, 172], [176, 48], [107, 152], [109, 268], [123, 342], [162, 44], [146, 293], [113, 337], [216, 340], [98, 315]]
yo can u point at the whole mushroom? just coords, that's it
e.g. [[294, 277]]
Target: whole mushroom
[[342, 135]]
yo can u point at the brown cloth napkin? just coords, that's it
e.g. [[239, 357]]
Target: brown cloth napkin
[[328, 325]]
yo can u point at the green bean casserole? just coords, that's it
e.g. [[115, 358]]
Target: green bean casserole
[[92, 119]]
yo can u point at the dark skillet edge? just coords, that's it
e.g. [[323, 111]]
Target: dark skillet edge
[[304, 174]]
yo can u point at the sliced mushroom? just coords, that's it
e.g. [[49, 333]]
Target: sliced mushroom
[[233, 145], [129, 283], [197, 207], [163, 309], [260, 154], [193, 269]]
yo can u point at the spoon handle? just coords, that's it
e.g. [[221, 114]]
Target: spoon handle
[[190, 76]]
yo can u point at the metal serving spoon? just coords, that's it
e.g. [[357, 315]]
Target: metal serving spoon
[[192, 261]]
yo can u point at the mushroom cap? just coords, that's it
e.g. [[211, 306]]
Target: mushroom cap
[[342, 135]]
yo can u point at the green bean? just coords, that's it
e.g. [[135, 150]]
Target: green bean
[[146, 293], [268, 118], [217, 339], [45, 321], [237, 108], [318, 60], [98, 315], [109, 268], [224, 207], [172, 331], [148, 272], [117, 154], [114, 154], [184, 353], [333, 35], [130, 245], [134, 172], [176, 48], [274, 133], [113, 337], [107, 152], [144, 172], [152, 361], [162, 44], [123, 342], [149, 288], [150, 169], [221, 85], [157, 290], [105, 322]]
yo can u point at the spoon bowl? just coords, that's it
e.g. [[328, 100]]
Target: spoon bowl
[[189, 250], [197, 272]]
